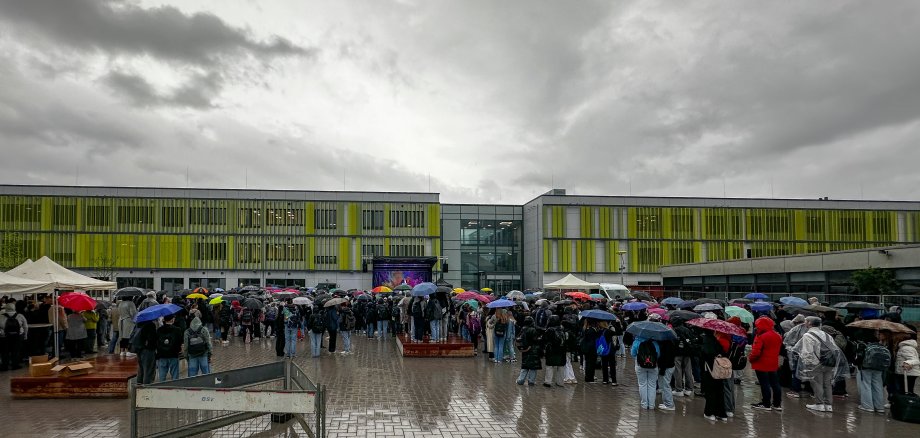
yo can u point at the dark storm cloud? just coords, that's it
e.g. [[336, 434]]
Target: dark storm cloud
[[197, 92], [123, 28]]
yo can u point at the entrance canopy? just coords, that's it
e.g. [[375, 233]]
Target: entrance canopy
[[10, 285], [571, 282], [55, 276]]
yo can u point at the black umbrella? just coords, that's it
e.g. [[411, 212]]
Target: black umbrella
[[688, 304], [250, 288], [252, 303], [102, 305], [563, 302], [683, 315], [232, 297], [322, 298], [640, 295], [709, 301], [130, 292], [443, 290], [854, 305], [174, 293]]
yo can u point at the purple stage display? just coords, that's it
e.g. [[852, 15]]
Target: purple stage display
[[394, 273]]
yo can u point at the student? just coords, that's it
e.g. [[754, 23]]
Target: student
[[76, 334], [169, 344], [197, 343]]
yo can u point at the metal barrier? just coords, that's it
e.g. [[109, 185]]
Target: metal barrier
[[910, 304], [235, 403]]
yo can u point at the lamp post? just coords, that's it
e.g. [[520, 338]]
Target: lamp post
[[622, 266]]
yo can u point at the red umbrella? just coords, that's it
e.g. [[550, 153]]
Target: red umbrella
[[483, 298], [717, 325], [578, 295], [467, 296], [77, 301]]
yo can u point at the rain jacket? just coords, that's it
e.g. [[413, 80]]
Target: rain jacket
[[765, 351], [794, 334], [531, 348], [75, 327], [90, 319], [126, 312], [9, 311], [806, 354], [907, 353], [194, 327]]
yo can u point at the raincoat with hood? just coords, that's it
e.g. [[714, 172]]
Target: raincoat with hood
[[126, 313], [807, 354], [195, 326], [765, 351]]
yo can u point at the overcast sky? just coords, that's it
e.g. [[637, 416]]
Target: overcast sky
[[482, 101]]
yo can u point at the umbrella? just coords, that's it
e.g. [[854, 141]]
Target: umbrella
[[745, 316], [217, 289], [473, 303], [688, 304], [77, 301], [215, 295], [672, 301], [103, 303], [793, 301], [850, 305], [803, 312], [487, 290], [424, 289], [403, 286], [659, 311], [216, 300], [515, 294], [467, 296], [360, 298], [338, 292], [458, 290], [881, 324], [540, 301], [756, 296], [761, 307], [497, 304], [305, 301], [443, 290], [709, 301], [717, 325], [156, 311], [578, 295], [250, 288], [232, 297], [640, 295], [741, 301], [200, 290], [684, 315], [819, 308], [598, 314], [705, 307], [564, 302], [197, 296], [252, 303], [130, 292], [598, 297], [284, 295], [635, 306], [651, 330], [334, 302], [322, 298]]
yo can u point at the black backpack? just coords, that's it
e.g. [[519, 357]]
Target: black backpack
[[417, 310], [12, 326], [348, 321], [500, 328], [317, 322], [293, 320], [383, 312], [737, 356], [647, 356], [542, 318], [196, 343], [246, 316]]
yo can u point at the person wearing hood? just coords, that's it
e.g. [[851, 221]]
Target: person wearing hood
[[531, 345], [764, 359], [13, 332], [197, 344], [907, 363], [687, 348], [554, 341], [151, 300], [796, 328], [894, 314], [126, 313], [817, 359]]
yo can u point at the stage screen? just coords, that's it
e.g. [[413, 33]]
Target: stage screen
[[394, 274]]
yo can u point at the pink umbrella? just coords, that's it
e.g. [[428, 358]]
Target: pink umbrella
[[659, 311], [468, 295]]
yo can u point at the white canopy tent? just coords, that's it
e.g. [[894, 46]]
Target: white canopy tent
[[12, 285], [571, 282]]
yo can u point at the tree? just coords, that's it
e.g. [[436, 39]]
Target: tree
[[104, 267], [875, 281], [11, 254]]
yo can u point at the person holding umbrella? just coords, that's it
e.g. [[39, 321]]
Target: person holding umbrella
[[646, 349]]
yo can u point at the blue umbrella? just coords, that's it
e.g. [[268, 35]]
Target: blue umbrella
[[423, 289], [598, 314], [651, 330], [672, 301], [761, 307], [156, 311], [756, 296], [688, 304], [500, 303], [635, 306], [793, 301]]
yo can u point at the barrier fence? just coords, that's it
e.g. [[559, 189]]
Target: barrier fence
[[910, 304]]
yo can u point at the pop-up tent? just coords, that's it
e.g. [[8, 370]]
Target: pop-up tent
[[58, 277], [12, 285], [571, 282]]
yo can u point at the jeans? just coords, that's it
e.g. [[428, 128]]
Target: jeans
[[315, 339], [465, 333], [170, 365], [664, 382], [729, 394], [871, 389], [290, 341], [146, 366], [647, 377], [198, 363], [529, 375], [683, 373], [346, 341], [770, 392], [510, 351], [382, 327], [435, 330], [369, 330], [622, 350], [113, 343], [821, 385], [554, 373], [499, 348]]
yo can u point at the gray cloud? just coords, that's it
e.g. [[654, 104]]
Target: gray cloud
[[198, 92]]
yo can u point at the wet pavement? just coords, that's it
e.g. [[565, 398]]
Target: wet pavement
[[376, 393]]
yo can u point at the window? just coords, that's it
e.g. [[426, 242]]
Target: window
[[173, 217], [284, 252], [814, 226], [882, 227], [325, 219], [407, 250], [135, 215], [682, 223], [21, 212], [249, 253], [325, 260], [372, 219], [372, 250], [407, 219], [211, 251], [97, 216], [64, 215], [250, 218], [284, 216], [648, 222], [682, 252], [207, 216]]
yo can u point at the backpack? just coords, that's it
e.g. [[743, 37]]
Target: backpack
[[474, 325], [876, 357], [687, 345], [417, 309], [603, 347], [292, 319], [135, 344], [542, 318], [348, 321], [271, 313], [196, 343], [371, 313], [827, 356], [246, 316], [431, 311], [721, 368], [317, 322], [12, 326], [165, 345], [557, 339], [647, 356], [500, 328], [383, 312], [737, 357]]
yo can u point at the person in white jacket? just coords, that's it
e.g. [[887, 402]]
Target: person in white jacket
[[907, 362]]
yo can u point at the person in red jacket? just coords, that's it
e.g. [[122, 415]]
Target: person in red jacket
[[764, 360]]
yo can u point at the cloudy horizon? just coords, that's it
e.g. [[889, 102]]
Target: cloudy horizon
[[492, 102]]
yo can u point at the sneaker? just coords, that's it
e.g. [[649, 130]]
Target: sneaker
[[688, 393], [723, 419], [861, 408], [709, 417], [664, 407], [548, 385], [793, 395], [614, 384], [605, 382], [778, 408], [880, 411], [828, 408], [130, 354], [887, 405], [760, 406], [531, 383], [730, 414], [593, 381], [678, 393], [521, 383], [815, 407]]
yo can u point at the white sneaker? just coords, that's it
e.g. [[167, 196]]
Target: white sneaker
[[688, 393], [816, 407], [828, 408], [730, 414], [665, 408], [130, 354], [709, 417], [678, 393]]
